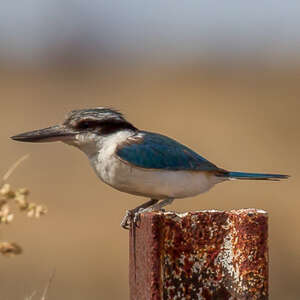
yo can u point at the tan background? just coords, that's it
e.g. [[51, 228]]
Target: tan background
[[244, 119]]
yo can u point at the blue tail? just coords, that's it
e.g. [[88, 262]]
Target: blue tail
[[254, 176]]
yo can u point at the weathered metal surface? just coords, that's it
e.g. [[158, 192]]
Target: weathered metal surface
[[200, 255]]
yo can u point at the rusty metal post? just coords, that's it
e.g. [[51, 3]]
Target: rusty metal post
[[200, 255]]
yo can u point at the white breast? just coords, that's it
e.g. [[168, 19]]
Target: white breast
[[157, 184]]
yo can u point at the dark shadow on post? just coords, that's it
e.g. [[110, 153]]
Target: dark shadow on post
[[200, 255]]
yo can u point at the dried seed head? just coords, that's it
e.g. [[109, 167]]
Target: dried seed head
[[35, 211], [2, 203], [4, 210], [6, 191], [5, 215], [9, 218], [40, 210], [10, 249], [30, 213], [8, 197], [23, 191], [21, 200]]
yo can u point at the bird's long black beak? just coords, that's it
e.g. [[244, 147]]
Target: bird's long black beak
[[50, 134]]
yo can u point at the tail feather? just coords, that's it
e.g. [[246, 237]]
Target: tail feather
[[253, 176]]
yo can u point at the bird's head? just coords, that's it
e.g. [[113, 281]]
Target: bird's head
[[81, 128]]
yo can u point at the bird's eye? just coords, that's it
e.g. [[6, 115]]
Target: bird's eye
[[86, 124]]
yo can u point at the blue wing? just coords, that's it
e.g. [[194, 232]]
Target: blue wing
[[155, 151]]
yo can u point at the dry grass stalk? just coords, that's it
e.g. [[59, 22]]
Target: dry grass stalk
[[46, 290], [44, 294], [31, 296]]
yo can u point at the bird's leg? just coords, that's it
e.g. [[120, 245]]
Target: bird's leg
[[132, 215], [159, 206]]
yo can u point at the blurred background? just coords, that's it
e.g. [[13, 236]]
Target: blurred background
[[221, 77]]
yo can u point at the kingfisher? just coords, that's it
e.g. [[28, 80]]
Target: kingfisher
[[137, 162]]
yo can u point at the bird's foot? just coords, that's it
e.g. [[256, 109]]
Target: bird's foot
[[132, 217], [126, 221]]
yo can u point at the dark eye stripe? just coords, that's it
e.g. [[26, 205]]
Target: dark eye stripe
[[104, 126], [87, 124]]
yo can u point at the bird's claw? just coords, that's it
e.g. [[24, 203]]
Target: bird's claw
[[126, 221], [137, 217], [131, 217]]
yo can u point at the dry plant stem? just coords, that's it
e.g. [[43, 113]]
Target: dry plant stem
[[31, 296], [13, 167], [46, 290]]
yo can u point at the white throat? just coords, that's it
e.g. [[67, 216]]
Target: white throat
[[92, 144]]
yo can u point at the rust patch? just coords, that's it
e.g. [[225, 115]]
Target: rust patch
[[200, 255]]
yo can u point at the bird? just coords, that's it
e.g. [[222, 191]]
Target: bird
[[137, 162]]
